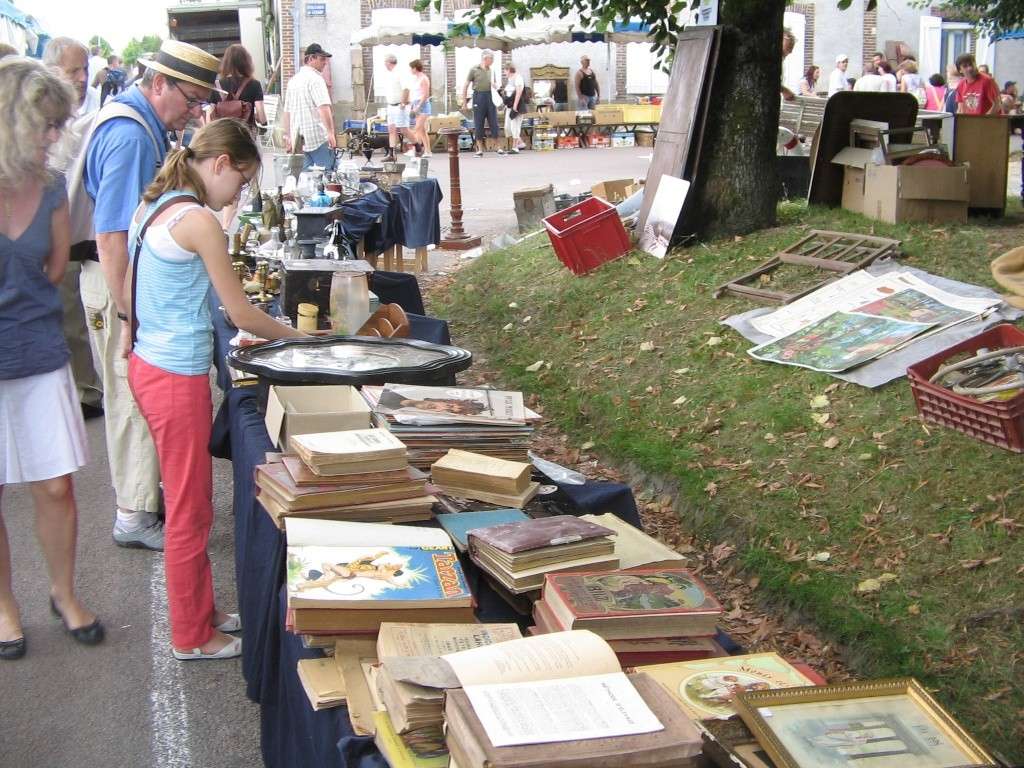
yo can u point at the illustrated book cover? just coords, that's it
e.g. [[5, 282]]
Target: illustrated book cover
[[705, 688]]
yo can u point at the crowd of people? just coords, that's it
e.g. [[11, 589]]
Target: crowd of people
[[966, 87], [108, 248]]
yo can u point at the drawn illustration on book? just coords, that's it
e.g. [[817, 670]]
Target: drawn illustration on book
[[616, 592], [371, 573]]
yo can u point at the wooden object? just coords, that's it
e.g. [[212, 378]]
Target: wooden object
[[983, 142], [456, 239], [395, 261], [899, 110], [802, 116], [682, 114], [837, 252], [388, 322]]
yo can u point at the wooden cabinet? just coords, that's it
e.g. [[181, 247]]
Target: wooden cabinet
[[983, 141]]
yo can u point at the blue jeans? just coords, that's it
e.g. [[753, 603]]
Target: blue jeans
[[484, 109], [588, 102], [323, 156]]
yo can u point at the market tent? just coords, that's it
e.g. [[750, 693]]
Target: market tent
[[398, 33], [20, 30]]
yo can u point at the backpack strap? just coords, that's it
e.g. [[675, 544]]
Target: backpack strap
[[238, 93], [139, 237]]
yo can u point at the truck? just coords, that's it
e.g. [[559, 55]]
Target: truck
[[213, 25]]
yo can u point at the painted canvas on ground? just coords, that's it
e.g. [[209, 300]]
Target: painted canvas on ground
[[915, 307], [841, 341], [661, 221], [874, 732]]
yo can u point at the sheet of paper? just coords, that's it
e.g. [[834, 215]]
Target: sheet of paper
[[592, 707], [396, 639], [334, 533], [544, 657], [427, 671]]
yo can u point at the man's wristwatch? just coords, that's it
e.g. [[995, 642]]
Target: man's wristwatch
[[122, 316]]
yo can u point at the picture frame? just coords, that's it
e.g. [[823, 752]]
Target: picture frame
[[892, 723]]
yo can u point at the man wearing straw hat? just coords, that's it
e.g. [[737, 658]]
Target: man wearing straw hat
[[126, 145]]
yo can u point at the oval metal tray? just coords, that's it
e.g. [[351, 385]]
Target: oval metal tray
[[352, 360]]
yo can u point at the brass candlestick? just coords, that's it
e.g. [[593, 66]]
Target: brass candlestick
[[456, 239]]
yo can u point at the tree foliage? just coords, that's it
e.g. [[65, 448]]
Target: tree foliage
[[105, 49], [994, 16], [137, 48]]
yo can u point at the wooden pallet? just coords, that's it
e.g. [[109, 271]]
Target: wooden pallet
[[839, 253]]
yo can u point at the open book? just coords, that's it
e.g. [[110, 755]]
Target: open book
[[567, 688]]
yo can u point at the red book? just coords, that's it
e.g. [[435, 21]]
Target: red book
[[669, 602]]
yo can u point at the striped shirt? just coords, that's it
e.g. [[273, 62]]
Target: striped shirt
[[306, 92]]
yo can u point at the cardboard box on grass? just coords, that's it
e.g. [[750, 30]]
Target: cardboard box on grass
[[903, 193], [306, 410], [614, 191]]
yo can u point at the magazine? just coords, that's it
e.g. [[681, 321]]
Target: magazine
[[451, 404]]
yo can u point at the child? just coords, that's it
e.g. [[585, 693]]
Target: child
[[183, 251]]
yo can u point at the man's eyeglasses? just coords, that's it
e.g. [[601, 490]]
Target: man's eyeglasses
[[190, 101]]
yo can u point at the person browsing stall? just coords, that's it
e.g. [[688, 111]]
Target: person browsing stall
[[179, 253], [307, 112], [837, 80], [977, 93], [71, 59], [41, 427], [126, 148]]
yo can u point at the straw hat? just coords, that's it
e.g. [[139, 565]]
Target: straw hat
[[1008, 271], [186, 63]]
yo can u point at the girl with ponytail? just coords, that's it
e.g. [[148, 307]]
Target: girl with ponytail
[[178, 251]]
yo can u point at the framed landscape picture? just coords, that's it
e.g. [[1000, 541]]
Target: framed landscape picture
[[872, 724]]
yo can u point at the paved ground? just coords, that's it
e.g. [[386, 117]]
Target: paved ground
[[128, 702]]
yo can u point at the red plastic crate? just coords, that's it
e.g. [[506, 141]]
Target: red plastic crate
[[587, 235], [998, 423]]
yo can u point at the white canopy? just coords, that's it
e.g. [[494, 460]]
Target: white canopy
[[400, 33]]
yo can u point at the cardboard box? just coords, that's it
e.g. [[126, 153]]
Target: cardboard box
[[614, 191], [641, 113], [902, 193], [435, 124], [608, 114], [567, 142], [305, 410], [624, 139], [560, 119]]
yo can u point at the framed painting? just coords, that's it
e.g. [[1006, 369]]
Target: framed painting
[[871, 724]]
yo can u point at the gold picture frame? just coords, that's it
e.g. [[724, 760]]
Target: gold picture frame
[[896, 723]]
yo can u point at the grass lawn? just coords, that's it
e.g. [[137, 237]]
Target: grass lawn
[[934, 516]]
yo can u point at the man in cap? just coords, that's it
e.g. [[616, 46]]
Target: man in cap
[[307, 111], [71, 59], [126, 146], [837, 80]]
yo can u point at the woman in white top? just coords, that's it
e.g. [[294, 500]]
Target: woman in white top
[[912, 82], [514, 108], [889, 84], [419, 95]]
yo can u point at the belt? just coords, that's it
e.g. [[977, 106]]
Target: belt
[[84, 251]]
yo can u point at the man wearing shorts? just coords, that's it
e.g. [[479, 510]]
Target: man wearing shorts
[[398, 106]]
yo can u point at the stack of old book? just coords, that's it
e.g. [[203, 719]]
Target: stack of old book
[[484, 478], [359, 475], [518, 555], [405, 650], [431, 420], [345, 579], [561, 701], [647, 616]]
